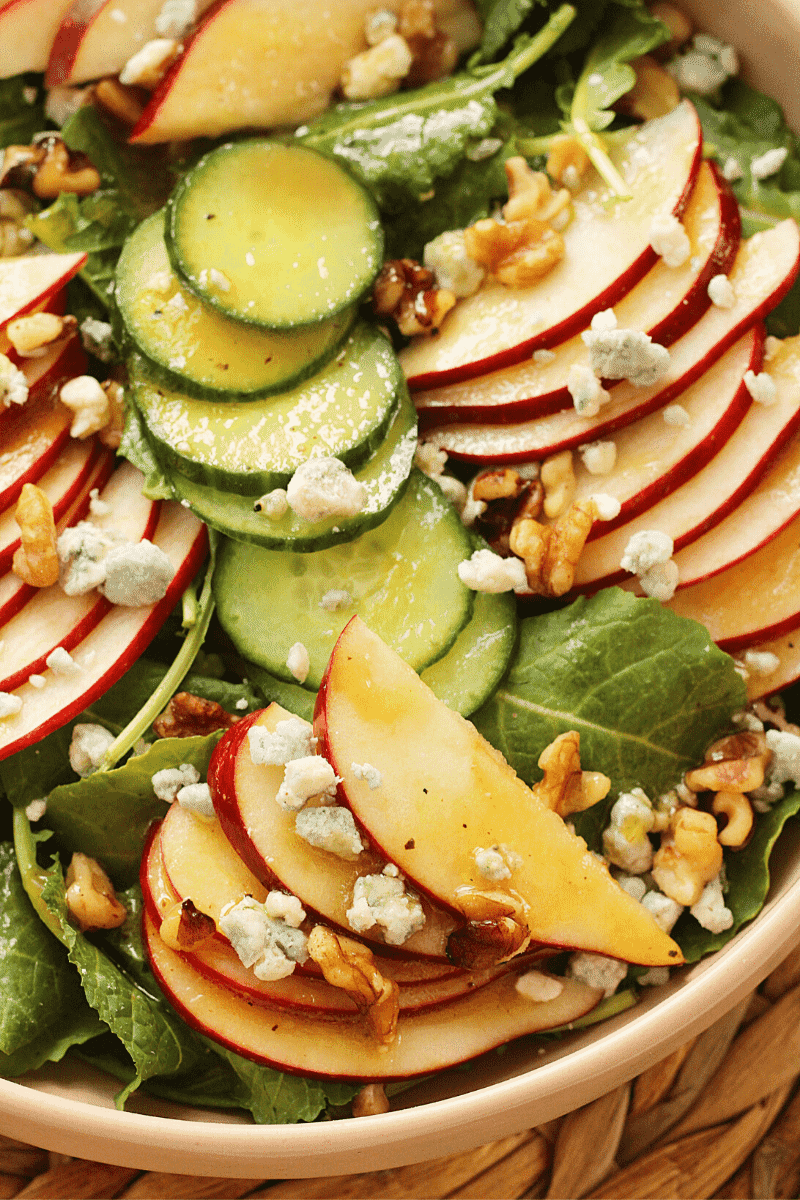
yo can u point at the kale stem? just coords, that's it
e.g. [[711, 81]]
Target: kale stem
[[199, 612], [33, 878], [544, 40], [598, 156]]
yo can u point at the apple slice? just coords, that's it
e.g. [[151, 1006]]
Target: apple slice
[[265, 63], [61, 484], [97, 37], [446, 792], [343, 1049], [14, 594], [756, 600], [29, 282], [51, 618], [765, 268], [422, 985], [743, 464], [31, 435], [499, 326], [27, 29], [263, 835], [654, 458], [664, 304], [112, 646], [786, 650]]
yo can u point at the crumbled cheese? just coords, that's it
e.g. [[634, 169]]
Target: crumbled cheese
[[334, 599], [87, 400], [655, 977], [676, 414], [37, 681], [82, 551], [661, 581], [304, 778], [61, 662], [88, 747], [282, 906], [748, 720], [10, 705], [732, 169], [332, 829], [13, 384], [63, 102], [454, 269], [588, 394], [772, 346], [298, 662], [664, 910], [271, 947], [710, 910], [291, 739], [634, 885], [721, 293], [98, 507], [383, 900], [696, 72], [371, 775], [761, 662], [543, 357], [604, 321], [768, 163], [606, 508], [146, 67], [242, 705], [167, 783], [761, 387], [646, 549], [669, 239], [196, 798], [377, 72], [324, 487], [625, 841], [177, 306], [599, 458], [626, 354], [273, 505], [539, 988], [486, 571], [430, 459], [98, 338], [785, 765], [379, 25], [597, 970], [137, 574], [219, 279], [485, 148], [159, 281], [491, 863], [176, 18], [455, 491], [35, 810]]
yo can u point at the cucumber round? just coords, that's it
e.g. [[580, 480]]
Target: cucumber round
[[469, 673], [274, 235], [254, 446], [196, 349], [384, 475], [402, 578]]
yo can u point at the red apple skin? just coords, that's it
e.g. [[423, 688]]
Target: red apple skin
[[126, 654], [21, 54], [215, 1012], [787, 651], [70, 265], [433, 410], [68, 39]]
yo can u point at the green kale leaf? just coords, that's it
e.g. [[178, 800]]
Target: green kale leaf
[[42, 1008], [647, 691], [21, 109], [501, 20], [277, 1099], [747, 873]]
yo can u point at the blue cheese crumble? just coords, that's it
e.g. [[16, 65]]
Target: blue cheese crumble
[[371, 775], [291, 739], [137, 574], [196, 798], [304, 779], [331, 829], [167, 783], [325, 487], [272, 947], [383, 900]]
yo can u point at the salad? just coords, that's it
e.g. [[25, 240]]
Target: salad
[[395, 590]]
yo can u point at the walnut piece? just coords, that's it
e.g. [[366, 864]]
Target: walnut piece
[[654, 94], [188, 715], [371, 1100], [565, 788], [689, 856], [35, 562], [551, 552], [739, 811], [91, 899], [62, 170], [122, 101], [349, 965], [111, 433], [184, 927], [732, 764], [559, 483], [407, 291], [31, 335], [567, 160]]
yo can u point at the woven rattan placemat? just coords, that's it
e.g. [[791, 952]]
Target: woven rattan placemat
[[719, 1117]]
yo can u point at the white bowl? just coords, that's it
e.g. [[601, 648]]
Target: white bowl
[[69, 1108]]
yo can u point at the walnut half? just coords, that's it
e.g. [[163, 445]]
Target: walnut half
[[349, 965]]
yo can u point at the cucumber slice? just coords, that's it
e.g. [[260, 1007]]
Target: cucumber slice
[[384, 475], [275, 235], [196, 349], [257, 445], [468, 674], [402, 577]]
